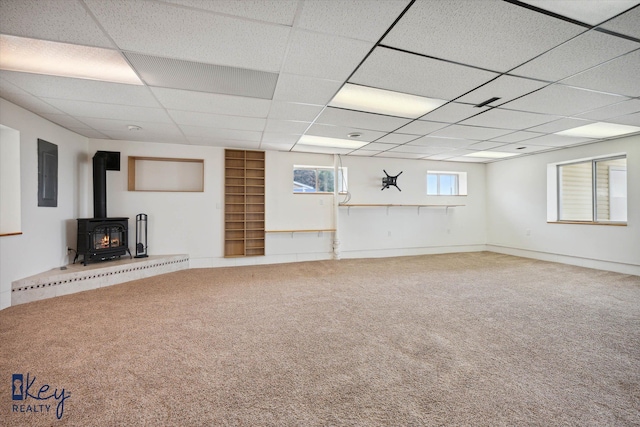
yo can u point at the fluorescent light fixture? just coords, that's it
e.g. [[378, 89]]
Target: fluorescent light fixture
[[321, 141], [491, 154], [373, 100], [64, 60], [599, 130]]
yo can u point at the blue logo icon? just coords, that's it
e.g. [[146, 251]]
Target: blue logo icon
[[17, 387]]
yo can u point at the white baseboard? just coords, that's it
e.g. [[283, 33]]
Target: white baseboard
[[617, 267], [431, 250]]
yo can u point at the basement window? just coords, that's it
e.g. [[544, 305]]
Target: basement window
[[590, 191], [443, 183], [318, 179]]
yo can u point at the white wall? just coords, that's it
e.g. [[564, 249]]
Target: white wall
[[374, 231], [9, 181], [517, 212], [46, 231], [178, 222]]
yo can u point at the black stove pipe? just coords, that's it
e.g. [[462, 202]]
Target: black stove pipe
[[100, 185]]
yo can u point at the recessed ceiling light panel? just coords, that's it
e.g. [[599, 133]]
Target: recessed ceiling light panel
[[322, 141], [64, 60], [380, 101], [491, 154], [600, 130]]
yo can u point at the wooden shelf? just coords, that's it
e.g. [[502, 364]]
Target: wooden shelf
[[159, 174], [244, 203]]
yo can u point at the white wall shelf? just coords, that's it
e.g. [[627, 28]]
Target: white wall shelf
[[374, 205]]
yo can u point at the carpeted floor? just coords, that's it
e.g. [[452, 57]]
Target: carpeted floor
[[474, 339]]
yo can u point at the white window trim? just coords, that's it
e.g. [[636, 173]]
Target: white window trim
[[462, 183], [553, 192], [331, 168]]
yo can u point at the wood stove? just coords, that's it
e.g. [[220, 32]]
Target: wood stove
[[100, 239]]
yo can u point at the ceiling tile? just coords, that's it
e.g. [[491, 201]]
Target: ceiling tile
[[279, 138], [558, 125], [589, 12], [418, 75], [82, 109], [496, 36], [354, 19], [61, 21], [397, 138], [418, 149], [168, 138], [306, 90], [562, 100], [507, 119], [277, 146], [365, 153], [82, 89], [28, 102], [209, 133], [557, 141], [432, 141], [224, 143], [278, 12], [462, 159], [293, 111], [452, 153], [359, 119], [146, 128], [626, 24], [470, 132], [322, 150], [421, 127], [485, 145], [286, 126], [342, 132], [583, 52], [324, 55], [89, 133], [522, 148], [504, 87], [154, 28], [619, 76], [516, 137], [614, 110], [453, 112], [217, 120], [627, 119], [67, 121], [378, 146], [188, 75], [396, 155], [186, 100]]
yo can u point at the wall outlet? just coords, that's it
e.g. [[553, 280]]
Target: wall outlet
[[527, 232], [321, 202], [388, 233]]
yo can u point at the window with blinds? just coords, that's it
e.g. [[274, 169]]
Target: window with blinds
[[593, 190]]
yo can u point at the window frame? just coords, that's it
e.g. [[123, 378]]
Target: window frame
[[342, 184], [594, 191], [461, 183]]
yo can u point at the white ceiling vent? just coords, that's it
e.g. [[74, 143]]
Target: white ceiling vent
[[196, 76]]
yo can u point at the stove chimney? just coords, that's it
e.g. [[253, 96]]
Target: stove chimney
[[102, 162]]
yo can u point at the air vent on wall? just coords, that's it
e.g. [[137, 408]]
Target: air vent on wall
[[201, 77]]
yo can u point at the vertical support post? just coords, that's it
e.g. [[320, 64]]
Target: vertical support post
[[336, 203]]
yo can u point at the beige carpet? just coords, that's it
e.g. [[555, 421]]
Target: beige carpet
[[476, 339]]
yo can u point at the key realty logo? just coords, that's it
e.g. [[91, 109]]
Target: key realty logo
[[29, 397]]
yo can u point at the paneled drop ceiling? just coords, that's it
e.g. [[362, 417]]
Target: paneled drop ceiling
[[500, 77]]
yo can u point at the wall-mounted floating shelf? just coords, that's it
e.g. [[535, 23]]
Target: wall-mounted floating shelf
[[375, 205]]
